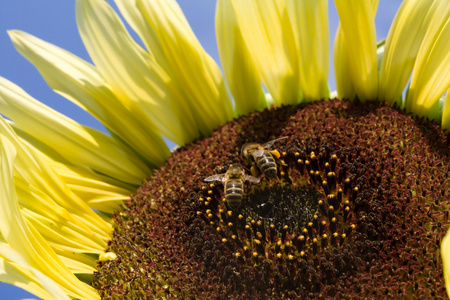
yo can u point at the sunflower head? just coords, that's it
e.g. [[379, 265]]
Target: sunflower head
[[326, 196]]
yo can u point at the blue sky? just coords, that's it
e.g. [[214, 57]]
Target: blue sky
[[54, 21]]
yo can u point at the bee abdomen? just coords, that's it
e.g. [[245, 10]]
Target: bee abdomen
[[233, 193], [268, 166]]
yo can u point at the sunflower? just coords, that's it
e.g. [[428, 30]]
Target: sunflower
[[356, 202]]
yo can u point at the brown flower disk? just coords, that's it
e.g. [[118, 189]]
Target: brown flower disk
[[358, 210]]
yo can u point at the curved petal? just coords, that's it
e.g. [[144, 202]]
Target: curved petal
[[344, 85], [402, 44], [268, 33], [79, 144], [357, 19], [240, 71], [431, 76], [20, 235], [309, 20], [35, 176], [445, 254], [81, 83], [18, 272], [172, 44], [446, 112]]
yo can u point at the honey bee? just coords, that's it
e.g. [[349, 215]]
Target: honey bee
[[233, 180], [258, 154]]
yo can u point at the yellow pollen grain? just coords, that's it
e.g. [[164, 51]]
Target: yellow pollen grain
[[275, 153]]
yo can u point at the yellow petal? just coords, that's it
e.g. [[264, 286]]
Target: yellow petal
[[24, 238], [38, 179], [92, 188], [309, 20], [268, 33], [445, 254], [240, 71], [344, 84], [172, 44], [79, 144], [135, 78], [357, 19], [402, 45], [446, 112], [100, 192], [81, 83], [77, 263], [18, 272], [431, 77], [65, 236]]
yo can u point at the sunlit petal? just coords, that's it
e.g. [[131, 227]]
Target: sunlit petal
[[20, 235], [446, 112], [240, 71], [310, 26], [344, 85], [357, 20], [75, 142], [172, 44], [402, 44], [431, 77], [15, 270], [80, 82], [268, 33], [445, 253]]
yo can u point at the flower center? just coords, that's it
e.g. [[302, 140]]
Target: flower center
[[357, 208]]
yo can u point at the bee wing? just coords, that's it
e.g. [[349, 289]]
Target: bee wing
[[216, 177], [270, 143], [251, 179], [257, 153]]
